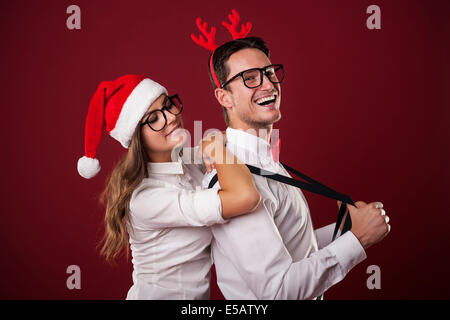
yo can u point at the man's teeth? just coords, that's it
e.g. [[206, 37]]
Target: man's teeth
[[265, 99]]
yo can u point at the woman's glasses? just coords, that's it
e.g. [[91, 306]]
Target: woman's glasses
[[157, 119], [253, 78]]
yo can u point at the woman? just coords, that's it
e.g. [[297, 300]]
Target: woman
[[153, 199]]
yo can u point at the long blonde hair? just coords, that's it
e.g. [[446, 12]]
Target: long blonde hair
[[125, 177]]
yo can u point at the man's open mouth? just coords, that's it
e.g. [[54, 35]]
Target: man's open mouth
[[267, 100]]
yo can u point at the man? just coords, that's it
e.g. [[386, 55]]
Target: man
[[274, 252]]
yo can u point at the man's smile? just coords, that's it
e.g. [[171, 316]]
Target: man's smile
[[266, 101]]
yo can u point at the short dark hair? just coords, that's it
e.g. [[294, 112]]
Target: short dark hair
[[223, 53]]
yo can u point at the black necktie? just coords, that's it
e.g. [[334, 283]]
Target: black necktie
[[311, 186]]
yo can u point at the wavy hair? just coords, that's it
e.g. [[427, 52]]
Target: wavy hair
[[125, 177]]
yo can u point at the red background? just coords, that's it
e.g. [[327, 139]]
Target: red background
[[364, 111]]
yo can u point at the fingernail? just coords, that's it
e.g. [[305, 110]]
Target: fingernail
[[378, 205]]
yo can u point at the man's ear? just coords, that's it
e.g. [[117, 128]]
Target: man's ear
[[224, 97]]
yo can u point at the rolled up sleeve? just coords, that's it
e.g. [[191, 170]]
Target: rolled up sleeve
[[157, 207]]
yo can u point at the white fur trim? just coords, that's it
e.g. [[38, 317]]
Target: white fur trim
[[88, 167], [143, 95]]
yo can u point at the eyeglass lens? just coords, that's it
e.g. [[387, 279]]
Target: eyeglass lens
[[253, 78], [157, 120]]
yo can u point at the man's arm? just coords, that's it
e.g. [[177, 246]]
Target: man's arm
[[254, 247], [324, 235]]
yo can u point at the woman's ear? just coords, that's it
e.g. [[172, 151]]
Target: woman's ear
[[224, 97]]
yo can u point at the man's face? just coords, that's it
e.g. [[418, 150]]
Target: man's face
[[249, 108]]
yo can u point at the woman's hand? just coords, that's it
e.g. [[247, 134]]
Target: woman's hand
[[238, 193], [213, 150]]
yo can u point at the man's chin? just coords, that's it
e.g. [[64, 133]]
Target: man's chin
[[278, 118], [265, 121], [273, 118]]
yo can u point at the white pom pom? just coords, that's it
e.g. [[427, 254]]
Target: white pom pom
[[88, 167]]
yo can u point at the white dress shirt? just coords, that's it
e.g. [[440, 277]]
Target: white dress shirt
[[273, 252], [168, 233]]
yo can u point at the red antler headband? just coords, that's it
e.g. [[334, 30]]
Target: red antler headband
[[211, 44]]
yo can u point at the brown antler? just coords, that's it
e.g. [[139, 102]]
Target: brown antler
[[234, 19], [210, 44]]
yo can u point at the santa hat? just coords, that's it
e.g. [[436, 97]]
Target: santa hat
[[118, 105]]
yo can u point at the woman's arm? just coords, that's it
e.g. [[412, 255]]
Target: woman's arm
[[238, 192], [158, 207]]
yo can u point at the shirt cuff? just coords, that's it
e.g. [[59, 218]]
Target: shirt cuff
[[209, 206], [348, 251]]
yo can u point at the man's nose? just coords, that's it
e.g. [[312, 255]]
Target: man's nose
[[266, 83]]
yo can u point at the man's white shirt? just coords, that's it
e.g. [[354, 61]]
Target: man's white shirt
[[274, 252]]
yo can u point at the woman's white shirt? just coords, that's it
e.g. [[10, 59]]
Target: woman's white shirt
[[169, 234]]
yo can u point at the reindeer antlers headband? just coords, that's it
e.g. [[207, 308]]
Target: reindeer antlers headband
[[211, 45]]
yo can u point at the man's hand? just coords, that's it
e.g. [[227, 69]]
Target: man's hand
[[369, 222]]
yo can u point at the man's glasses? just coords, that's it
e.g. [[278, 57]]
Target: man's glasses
[[253, 78], [157, 119]]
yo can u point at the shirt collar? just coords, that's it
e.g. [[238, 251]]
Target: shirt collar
[[249, 142], [175, 167]]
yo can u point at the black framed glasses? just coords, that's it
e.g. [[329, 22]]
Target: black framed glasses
[[253, 78], [157, 119]]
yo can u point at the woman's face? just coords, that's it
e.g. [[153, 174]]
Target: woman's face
[[159, 144]]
